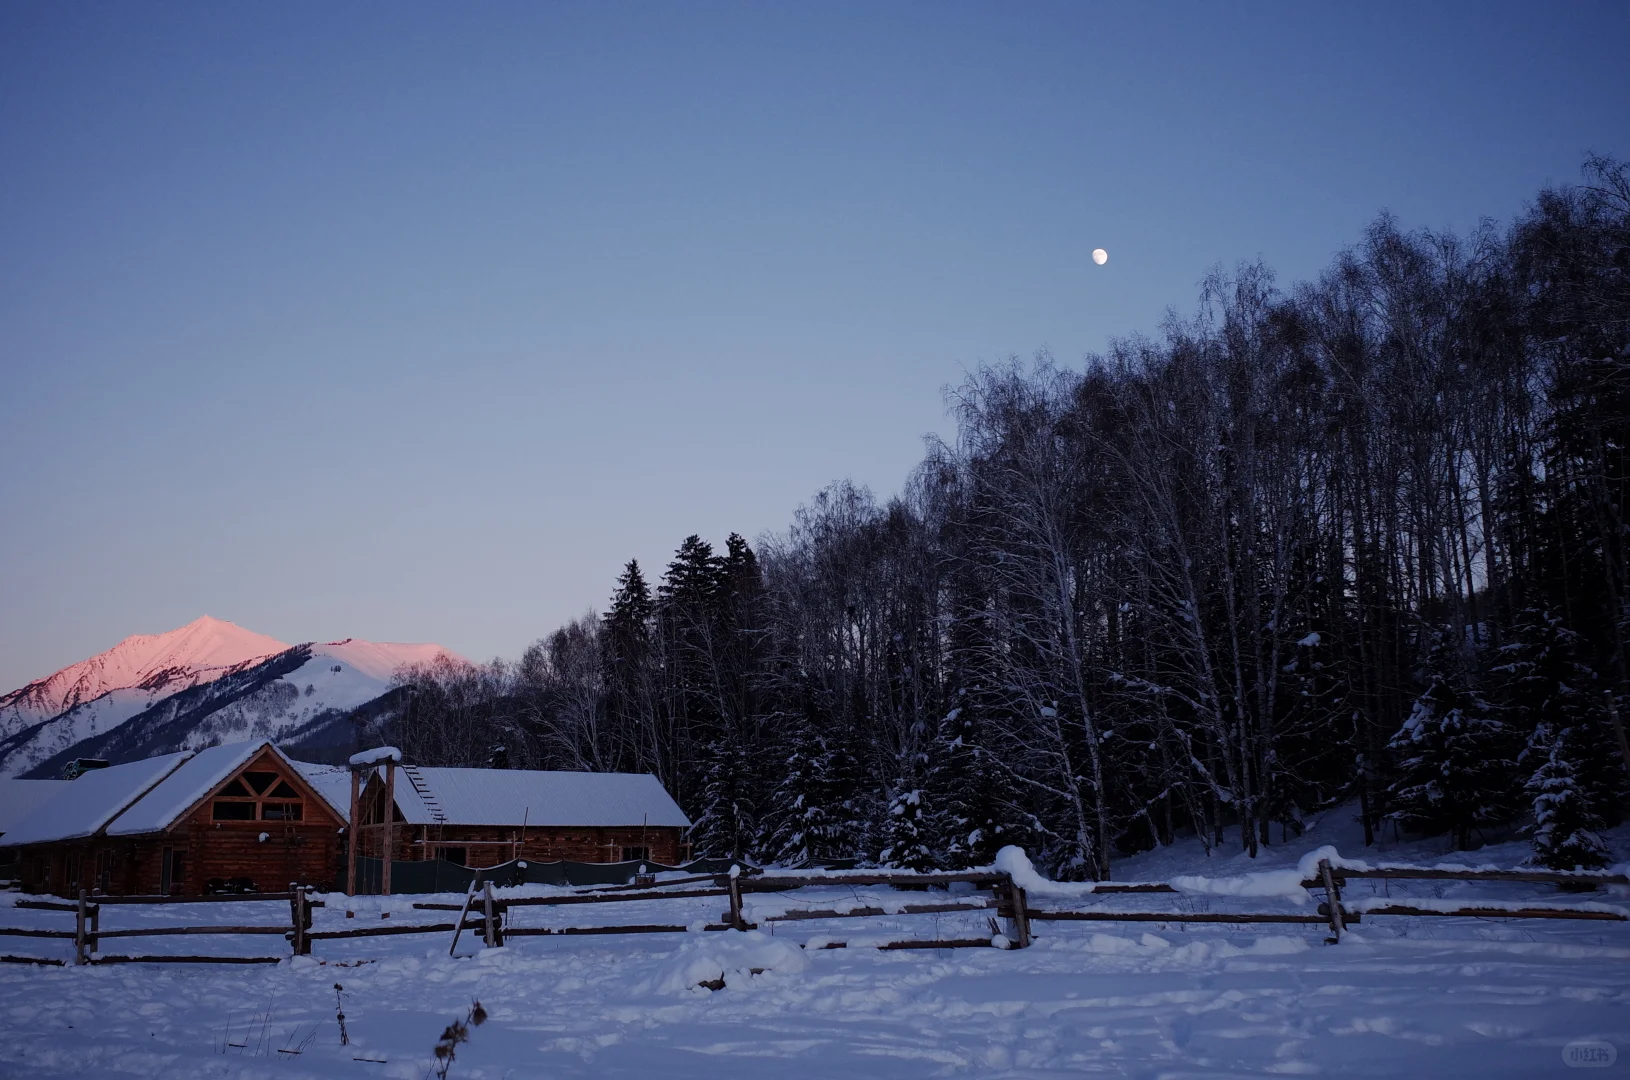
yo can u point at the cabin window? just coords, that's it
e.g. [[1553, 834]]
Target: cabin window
[[636, 854], [258, 795], [453, 855], [71, 868]]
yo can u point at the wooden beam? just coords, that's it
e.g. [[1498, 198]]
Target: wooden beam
[[1474, 912], [386, 857], [353, 835]]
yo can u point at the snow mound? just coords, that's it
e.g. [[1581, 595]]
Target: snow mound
[[732, 955]]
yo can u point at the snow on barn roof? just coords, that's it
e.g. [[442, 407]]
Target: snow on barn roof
[[517, 796], [19, 798], [180, 790], [332, 782], [82, 807]]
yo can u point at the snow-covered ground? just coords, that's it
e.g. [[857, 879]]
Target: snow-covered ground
[[1401, 996]]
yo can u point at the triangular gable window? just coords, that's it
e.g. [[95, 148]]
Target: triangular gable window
[[237, 789], [283, 791], [260, 781]]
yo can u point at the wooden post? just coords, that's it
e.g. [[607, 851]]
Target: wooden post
[[1021, 917], [96, 926], [298, 916], [734, 916], [458, 927], [390, 828], [352, 836], [489, 933], [79, 931], [1333, 897]]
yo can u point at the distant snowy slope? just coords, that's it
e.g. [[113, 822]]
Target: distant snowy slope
[[268, 691], [296, 693], [154, 665]]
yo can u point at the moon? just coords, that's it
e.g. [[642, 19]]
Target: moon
[[1100, 256]]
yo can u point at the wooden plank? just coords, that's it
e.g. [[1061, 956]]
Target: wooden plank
[[45, 905], [1195, 917], [30, 932], [188, 960], [9, 959], [1425, 873], [951, 943], [1498, 913], [385, 931], [169, 931], [208, 898], [865, 912], [1135, 887], [766, 883], [595, 898], [628, 928]]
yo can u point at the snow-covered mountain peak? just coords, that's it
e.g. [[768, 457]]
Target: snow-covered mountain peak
[[171, 661]]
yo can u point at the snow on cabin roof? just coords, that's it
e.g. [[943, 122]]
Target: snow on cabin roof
[[180, 790], [19, 798], [379, 755], [82, 807], [332, 782], [517, 796]]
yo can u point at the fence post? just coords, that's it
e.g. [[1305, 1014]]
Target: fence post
[[1021, 917], [79, 931], [1333, 899], [490, 935], [298, 916], [95, 935], [735, 916]]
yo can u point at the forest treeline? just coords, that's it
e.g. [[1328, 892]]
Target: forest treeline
[[1361, 538]]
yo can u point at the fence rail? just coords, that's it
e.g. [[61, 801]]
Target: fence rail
[[489, 916]]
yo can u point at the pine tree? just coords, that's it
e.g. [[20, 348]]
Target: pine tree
[[966, 820], [800, 829], [906, 833], [727, 826], [1455, 772], [1565, 825], [1547, 684]]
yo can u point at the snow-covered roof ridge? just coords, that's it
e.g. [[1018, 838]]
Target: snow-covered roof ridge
[[514, 797], [331, 782], [86, 806]]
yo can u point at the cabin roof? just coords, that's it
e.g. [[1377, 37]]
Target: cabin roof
[[182, 789], [19, 798], [513, 797], [83, 807], [332, 782]]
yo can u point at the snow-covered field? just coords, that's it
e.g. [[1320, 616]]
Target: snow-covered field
[[1403, 996]]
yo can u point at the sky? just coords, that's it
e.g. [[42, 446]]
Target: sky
[[414, 322]]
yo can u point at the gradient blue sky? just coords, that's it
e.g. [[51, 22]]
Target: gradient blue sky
[[413, 322]]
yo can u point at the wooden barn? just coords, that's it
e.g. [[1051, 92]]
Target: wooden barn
[[236, 816], [483, 817]]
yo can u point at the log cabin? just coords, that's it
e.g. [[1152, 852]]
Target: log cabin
[[240, 816], [484, 817]]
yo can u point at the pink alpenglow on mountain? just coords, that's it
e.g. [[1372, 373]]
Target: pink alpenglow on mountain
[[160, 664]]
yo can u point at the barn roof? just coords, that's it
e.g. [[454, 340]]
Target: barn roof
[[436, 796], [182, 789], [84, 806], [19, 798]]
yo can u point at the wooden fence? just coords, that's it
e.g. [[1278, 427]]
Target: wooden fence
[[489, 915]]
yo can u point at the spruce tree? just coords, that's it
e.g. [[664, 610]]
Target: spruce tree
[[1454, 763], [1565, 824], [905, 832], [966, 818], [727, 826], [1547, 684]]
